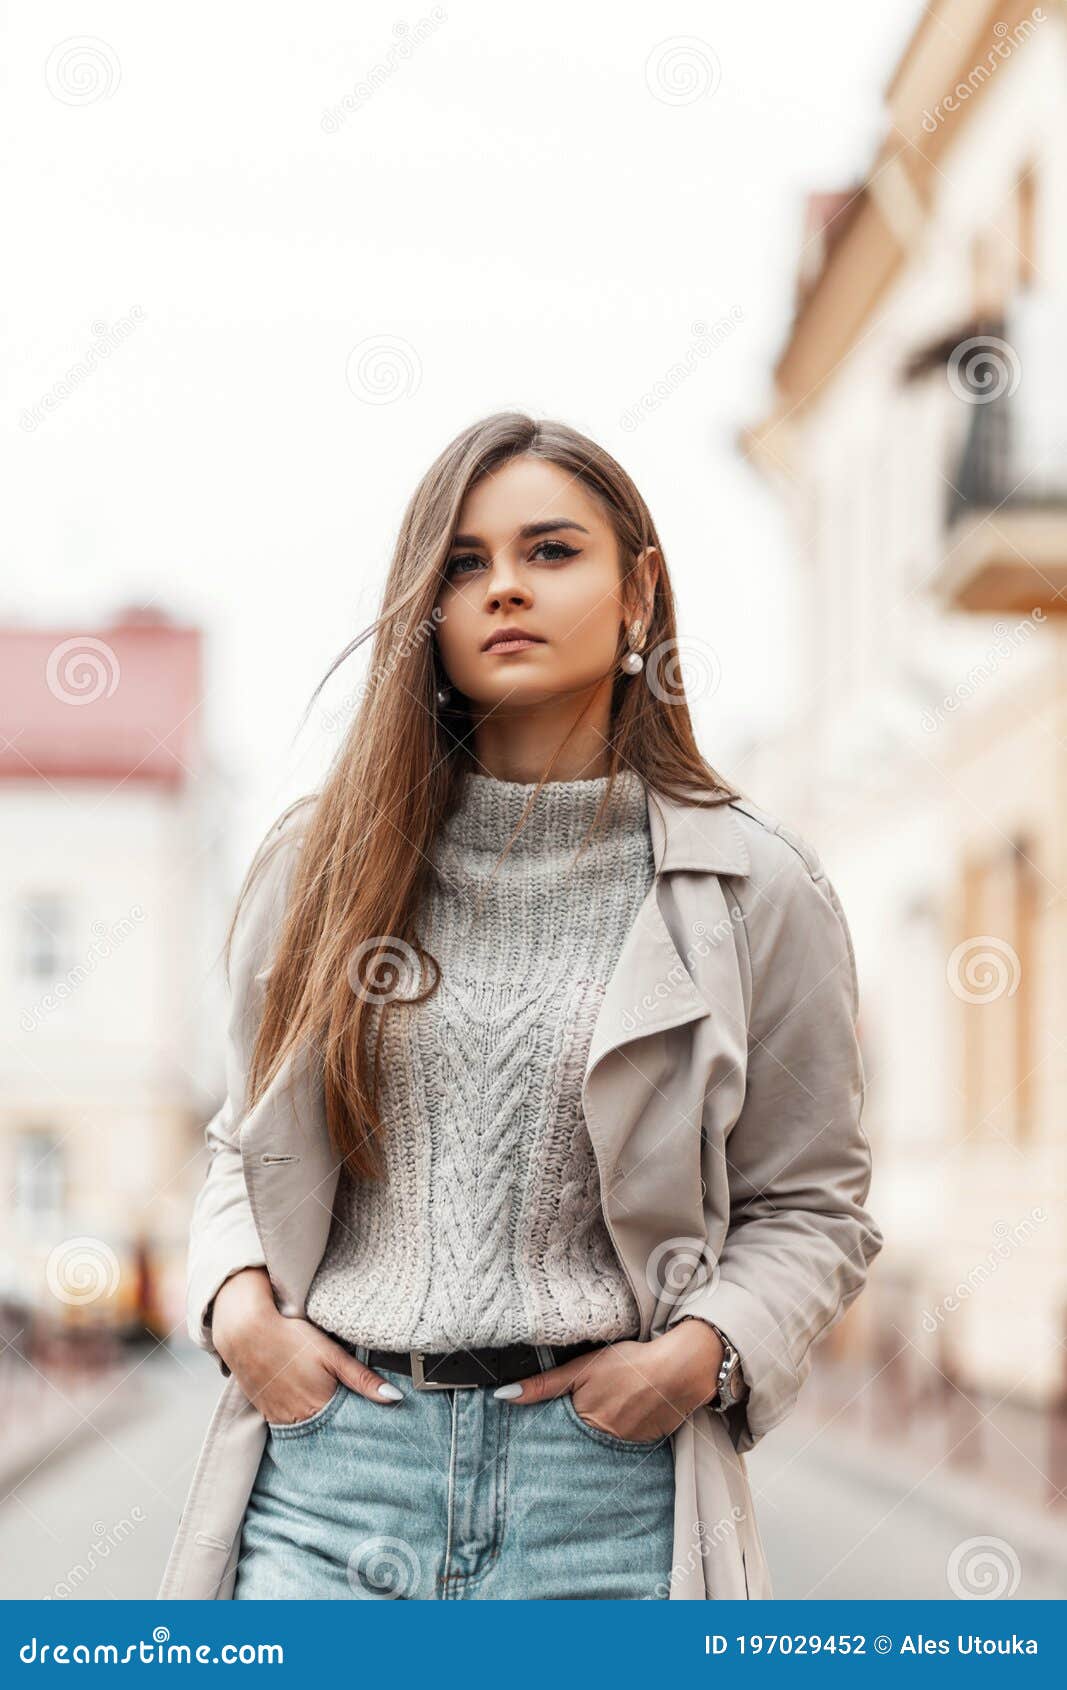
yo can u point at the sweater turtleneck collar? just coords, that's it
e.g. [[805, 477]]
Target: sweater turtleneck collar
[[560, 816]]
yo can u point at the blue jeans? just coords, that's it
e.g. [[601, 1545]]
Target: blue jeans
[[454, 1495]]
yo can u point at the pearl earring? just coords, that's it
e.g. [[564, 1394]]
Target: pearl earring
[[443, 695], [633, 662]]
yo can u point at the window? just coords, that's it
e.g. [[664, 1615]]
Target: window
[[993, 976], [39, 1177], [1026, 916], [44, 937], [1026, 226]]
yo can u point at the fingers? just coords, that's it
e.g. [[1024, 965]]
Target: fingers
[[358, 1377], [554, 1382]]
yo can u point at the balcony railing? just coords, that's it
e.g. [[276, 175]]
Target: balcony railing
[[1006, 510]]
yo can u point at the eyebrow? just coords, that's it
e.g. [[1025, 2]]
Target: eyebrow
[[529, 531]]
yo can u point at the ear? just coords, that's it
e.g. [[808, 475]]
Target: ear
[[648, 568]]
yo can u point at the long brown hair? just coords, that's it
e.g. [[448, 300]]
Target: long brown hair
[[348, 940]]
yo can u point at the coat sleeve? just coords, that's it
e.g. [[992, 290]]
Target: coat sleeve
[[799, 1240], [223, 1237]]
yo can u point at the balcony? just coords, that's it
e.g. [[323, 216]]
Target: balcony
[[1006, 516]]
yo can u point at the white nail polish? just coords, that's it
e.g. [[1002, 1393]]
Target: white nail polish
[[508, 1391], [390, 1391]]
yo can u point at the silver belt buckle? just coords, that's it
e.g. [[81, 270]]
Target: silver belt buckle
[[421, 1383]]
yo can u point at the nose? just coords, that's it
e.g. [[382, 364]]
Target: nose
[[503, 586]]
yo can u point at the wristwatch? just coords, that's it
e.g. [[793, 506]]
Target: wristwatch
[[731, 1384]]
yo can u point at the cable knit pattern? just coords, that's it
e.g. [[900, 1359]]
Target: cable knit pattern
[[488, 1227]]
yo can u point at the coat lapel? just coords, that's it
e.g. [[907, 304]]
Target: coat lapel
[[652, 989]]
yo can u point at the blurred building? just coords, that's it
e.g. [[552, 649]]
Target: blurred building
[[919, 436], [108, 863]]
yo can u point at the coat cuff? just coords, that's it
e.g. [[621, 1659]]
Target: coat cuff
[[205, 1287], [765, 1363]]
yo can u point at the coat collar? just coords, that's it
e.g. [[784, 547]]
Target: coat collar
[[694, 836]]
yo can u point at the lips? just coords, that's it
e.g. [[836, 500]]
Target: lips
[[509, 636]]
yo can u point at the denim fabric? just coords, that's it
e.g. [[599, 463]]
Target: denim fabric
[[455, 1495]]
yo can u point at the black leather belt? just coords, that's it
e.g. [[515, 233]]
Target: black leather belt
[[449, 1370]]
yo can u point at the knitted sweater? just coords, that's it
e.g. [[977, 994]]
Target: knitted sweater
[[487, 1227]]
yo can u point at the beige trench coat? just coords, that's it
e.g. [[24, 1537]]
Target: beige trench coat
[[722, 1093]]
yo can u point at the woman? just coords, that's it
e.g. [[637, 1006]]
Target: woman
[[541, 1165]]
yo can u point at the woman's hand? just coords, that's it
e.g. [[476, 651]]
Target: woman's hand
[[289, 1368], [634, 1390]]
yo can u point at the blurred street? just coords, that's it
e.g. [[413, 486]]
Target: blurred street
[[836, 1525], [97, 1522]]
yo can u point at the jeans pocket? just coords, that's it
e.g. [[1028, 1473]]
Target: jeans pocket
[[610, 1439], [321, 1417]]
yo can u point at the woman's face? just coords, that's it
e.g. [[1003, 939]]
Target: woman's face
[[533, 551]]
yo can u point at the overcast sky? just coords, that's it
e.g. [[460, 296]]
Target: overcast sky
[[532, 208]]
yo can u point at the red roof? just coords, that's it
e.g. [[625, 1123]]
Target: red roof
[[117, 703]]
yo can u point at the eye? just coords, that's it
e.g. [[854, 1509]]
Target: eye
[[558, 548], [462, 558], [549, 551]]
